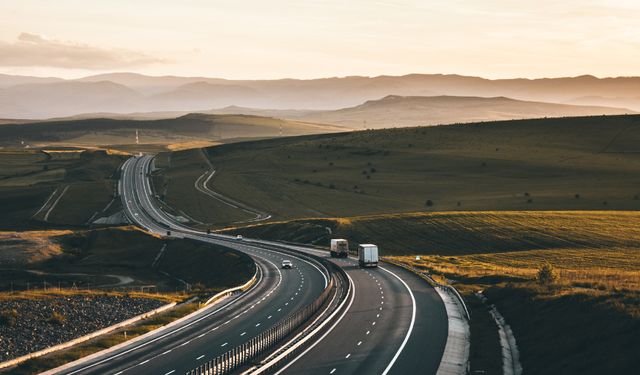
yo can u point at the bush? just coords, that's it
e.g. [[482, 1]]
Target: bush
[[56, 318], [331, 186], [529, 200], [526, 194], [429, 203], [8, 317], [373, 170], [546, 274], [577, 196]]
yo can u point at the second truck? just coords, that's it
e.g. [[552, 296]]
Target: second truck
[[367, 255]]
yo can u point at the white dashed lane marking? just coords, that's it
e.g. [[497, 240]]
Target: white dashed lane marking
[[199, 358]]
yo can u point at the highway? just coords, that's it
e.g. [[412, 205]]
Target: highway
[[277, 294], [395, 323]]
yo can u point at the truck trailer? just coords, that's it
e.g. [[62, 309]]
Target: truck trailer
[[367, 255], [339, 248]]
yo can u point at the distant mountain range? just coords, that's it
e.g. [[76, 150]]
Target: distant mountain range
[[126, 93]]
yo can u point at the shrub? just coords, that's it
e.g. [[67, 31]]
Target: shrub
[[546, 274], [331, 163], [429, 203], [484, 164], [364, 172], [355, 186], [526, 194], [368, 176], [8, 317], [373, 170], [56, 318], [331, 186], [529, 200], [577, 196]]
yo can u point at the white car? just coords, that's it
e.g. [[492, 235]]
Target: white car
[[239, 237], [287, 264]]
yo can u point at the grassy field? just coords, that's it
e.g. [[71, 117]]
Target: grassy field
[[29, 178], [179, 179], [153, 135], [600, 247], [90, 258], [534, 165]]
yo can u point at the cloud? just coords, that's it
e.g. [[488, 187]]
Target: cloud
[[38, 50]]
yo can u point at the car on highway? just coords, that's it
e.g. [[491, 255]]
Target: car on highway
[[287, 264], [239, 237]]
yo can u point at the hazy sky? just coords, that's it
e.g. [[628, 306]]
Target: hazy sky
[[266, 39]]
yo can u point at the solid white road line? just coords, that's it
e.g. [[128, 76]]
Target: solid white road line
[[413, 320], [353, 288]]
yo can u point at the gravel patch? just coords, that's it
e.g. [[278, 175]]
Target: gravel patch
[[31, 332]]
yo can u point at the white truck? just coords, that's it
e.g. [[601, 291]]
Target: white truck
[[367, 255], [339, 248]]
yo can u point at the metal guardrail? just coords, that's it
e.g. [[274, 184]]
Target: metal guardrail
[[431, 280], [246, 353], [304, 339], [233, 290]]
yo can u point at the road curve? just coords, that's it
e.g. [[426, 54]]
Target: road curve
[[278, 293], [395, 324]]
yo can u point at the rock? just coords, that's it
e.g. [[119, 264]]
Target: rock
[[83, 315]]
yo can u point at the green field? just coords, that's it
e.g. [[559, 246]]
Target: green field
[[29, 178], [98, 254]]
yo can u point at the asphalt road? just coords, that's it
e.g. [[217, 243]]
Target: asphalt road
[[397, 324]]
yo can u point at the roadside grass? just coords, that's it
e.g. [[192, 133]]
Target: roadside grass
[[42, 364], [563, 331], [485, 353]]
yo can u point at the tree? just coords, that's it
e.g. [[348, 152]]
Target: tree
[[429, 203], [546, 274]]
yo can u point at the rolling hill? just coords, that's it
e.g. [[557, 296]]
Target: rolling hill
[[40, 98], [401, 111]]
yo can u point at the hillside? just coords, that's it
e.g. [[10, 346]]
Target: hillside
[[401, 111], [110, 133], [583, 163]]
